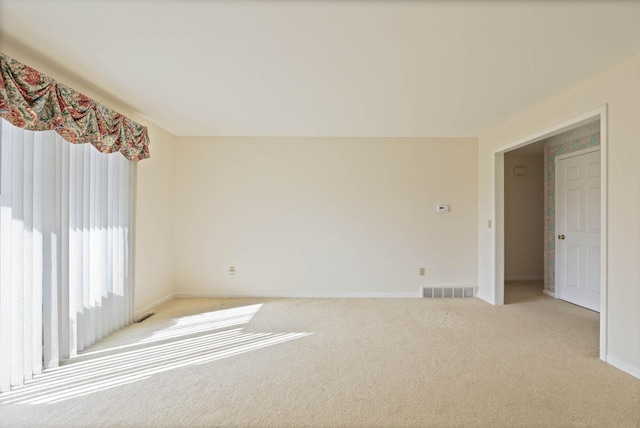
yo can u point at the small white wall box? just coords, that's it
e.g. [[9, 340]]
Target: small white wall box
[[442, 208], [520, 171]]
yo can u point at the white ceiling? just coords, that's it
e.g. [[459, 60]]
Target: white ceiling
[[329, 68]]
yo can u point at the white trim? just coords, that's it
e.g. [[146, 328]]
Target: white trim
[[549, 293], [498, 209], [498, 230], [449, 285], [196, 294], [625, 367], [558, 128], [604, 180], [523, 278], [486, 298], [140, 312], [574, 154]]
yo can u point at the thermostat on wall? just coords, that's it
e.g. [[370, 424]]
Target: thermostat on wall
[[443, 208]]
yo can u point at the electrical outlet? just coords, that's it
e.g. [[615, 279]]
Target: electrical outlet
[[421, 271], [232, 270]]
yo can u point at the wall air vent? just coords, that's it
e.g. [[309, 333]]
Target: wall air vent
[[447, 292], [145, 317]]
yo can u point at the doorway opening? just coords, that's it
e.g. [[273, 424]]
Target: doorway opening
[[524, 223], [531, 256]]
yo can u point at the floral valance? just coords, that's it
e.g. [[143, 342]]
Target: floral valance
[[34, 101]]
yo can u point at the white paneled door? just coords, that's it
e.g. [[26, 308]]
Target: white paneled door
[[578, 229]]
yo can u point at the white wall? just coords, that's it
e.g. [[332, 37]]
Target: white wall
[[324, 216], [619, 88], [154, 269], [524, 217], [154, 243]]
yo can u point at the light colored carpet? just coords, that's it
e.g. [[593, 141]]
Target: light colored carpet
[[341, 362]]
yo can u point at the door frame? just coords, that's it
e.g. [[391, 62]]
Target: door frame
[[498, 207], [557, 161]]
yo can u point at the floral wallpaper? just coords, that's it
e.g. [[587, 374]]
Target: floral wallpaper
[[571, 141]]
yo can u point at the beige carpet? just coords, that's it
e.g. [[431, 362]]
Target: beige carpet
[[341, 362]]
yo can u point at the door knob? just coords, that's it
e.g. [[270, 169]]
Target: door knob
[[561, 237]]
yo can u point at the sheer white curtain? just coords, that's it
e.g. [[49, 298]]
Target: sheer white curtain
[[66, 217]]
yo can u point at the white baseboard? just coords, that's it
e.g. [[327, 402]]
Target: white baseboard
[[549, 293], [197, 294], [625, 367], [524, 278], [450, 285], [489, 299], [140, 312]]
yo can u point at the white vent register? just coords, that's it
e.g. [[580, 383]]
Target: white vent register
[[446, 292]]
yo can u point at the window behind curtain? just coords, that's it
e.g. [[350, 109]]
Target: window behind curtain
[[66, 218]]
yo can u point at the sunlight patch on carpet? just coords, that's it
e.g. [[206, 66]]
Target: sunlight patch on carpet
[[189, 341]]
